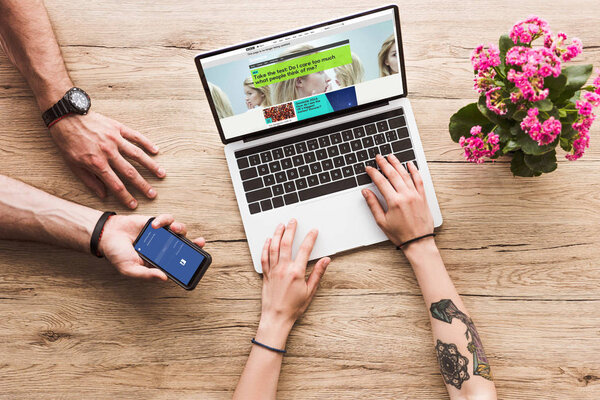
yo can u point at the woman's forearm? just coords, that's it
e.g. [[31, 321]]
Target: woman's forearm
[[27, 213], [463, 363]]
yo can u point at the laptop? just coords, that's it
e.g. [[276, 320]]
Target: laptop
[[301, 114]]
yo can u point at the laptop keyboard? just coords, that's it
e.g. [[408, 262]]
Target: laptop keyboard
[[319, 163]]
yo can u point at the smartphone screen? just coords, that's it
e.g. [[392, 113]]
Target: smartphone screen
[[170, 253]]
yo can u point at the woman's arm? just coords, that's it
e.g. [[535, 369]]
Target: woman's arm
[[464, 366], [286, 294]]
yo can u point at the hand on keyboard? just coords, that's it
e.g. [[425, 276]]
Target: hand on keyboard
[[408, 214]]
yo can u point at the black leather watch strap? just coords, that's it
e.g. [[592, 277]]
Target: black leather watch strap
[[97, 233], [58, 110]]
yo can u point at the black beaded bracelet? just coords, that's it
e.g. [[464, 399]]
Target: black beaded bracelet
[[268, 347], [415, 239], [97, 233]]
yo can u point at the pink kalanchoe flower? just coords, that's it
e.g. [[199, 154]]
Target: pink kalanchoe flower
[[484, 59], [528, 30], [516, 96], [550, 130], [531, 125], [596, 82], [584, 108], [593, 98], [478, 146], [573, 50], [579, 146], [517, 55], [484, 80], [494, 102]]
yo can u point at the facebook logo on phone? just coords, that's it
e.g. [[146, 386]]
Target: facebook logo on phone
[[174, 256]]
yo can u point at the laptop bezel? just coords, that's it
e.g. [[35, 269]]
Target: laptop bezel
[[298, 124]]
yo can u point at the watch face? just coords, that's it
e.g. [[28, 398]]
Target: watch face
[[79, 100]]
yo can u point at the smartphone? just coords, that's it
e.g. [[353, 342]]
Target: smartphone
[[182, 261]]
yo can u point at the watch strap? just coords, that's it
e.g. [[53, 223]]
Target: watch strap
[[58, 110], [97, 233]]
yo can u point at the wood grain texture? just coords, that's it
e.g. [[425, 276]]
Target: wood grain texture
[[523, 253]]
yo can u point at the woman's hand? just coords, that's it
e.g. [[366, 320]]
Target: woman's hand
[[116, 243], [408, 215], [286, 292]]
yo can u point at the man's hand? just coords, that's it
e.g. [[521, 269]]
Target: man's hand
[[408, 215], [116, 243], [95, 148]]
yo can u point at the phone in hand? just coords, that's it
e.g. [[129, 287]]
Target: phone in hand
[[183, 261]]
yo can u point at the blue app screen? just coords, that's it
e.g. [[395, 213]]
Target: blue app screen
[[173, 255]]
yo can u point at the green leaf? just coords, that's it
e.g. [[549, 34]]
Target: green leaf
[[511, 145], [530, 146], [504, 44], [543, 163], [492, 116], [464, 119], [503, 133], [518, 167], [566, 144], [577, 76], [567, 132], [519, 115], [556, 85], [543, 105]]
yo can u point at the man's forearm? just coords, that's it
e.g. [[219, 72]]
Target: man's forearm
[[463, 364], [27, 38], [27, 213]]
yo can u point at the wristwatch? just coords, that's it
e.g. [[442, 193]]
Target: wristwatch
[[74, 101]]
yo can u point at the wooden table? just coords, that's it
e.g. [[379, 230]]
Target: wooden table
[[523, 253]]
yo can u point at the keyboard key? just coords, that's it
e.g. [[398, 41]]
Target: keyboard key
[[368, 142], [291, 198], [379, 138], [292, 174], [312, 180], [324, 141], [301, 184], [339, 162], [345, 148], [321, 154], [304, 170], [391, 136], [263, 169], [356, 145], [402, 132], [336, 174], [385, 149], [336, 138], [315, 168], [275, 166], [277, 190], [359, 132], [347, 171], [266, 205], [401, 145], [252, 184], [269, 180], [298, 160], [258, 195], [415, 162], [248, 173], [396, 122], [254, 159], [329, 188], [243, 163], [289, 151], [312, 144], [347, 135], [373, 152], [280, 177], [363, 179], [362, 155], [266, 157], [310, 157], [405, 156], [301, 148], [350, 158], [370, 129], [324, 177], [359, 168], [327, 165], [277, 202], [278, 154], [254, 208], [333, 151], [371, 163], [382, 126], [286, 163], [289, 187]]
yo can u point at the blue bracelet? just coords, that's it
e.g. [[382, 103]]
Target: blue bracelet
[[268, 347]]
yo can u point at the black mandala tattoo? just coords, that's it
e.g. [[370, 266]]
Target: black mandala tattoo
[[445, 311], [453, 365]]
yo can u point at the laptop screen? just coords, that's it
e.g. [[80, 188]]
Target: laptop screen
[[304, 75]]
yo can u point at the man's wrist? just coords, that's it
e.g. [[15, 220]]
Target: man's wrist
[[273, 332], [49, 95]]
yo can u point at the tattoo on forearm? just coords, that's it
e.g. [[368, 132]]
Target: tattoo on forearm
[[445, 311], [453, 365]]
